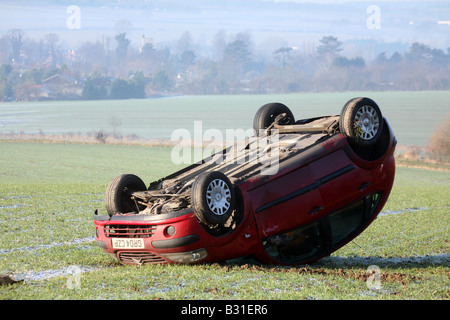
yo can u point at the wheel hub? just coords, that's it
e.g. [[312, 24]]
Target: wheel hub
[[367, 122], [218, 197]]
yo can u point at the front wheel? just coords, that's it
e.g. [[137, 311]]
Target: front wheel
[[361, 121], [213, 198], [118, 197]]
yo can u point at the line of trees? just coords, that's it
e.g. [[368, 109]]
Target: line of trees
[[94, 70]]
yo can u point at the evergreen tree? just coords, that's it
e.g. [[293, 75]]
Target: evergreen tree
[[122, 46]]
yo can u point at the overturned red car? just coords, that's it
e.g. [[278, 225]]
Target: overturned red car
[[332, 177]]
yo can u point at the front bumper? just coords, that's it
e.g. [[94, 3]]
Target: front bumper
[[175, 237], [168, 238]]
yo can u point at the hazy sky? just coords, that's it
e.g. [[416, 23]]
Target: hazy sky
[[339, 1], [399, 22]]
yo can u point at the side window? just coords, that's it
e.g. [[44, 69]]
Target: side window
[[348, 221], [374, 200], [344, 223], [298, 245]]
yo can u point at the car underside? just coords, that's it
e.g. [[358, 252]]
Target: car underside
[[240, 163]]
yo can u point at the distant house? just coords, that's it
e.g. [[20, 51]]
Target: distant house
[[39, 92], [146, 43], [61, 86]]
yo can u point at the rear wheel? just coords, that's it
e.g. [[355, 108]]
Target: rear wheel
[[118, 197], [267, 114], [361, 121], [213, 198]]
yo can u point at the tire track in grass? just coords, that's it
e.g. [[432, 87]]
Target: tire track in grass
[[436, 259], [441, 259]]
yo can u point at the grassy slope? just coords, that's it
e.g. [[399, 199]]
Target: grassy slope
[[49, 191]]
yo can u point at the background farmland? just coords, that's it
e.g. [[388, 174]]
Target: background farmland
[[414, 115], [49, 191]]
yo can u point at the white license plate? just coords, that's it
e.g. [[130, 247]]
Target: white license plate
[[127, 243]]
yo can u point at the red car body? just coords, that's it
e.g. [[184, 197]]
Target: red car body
[[322, 196]]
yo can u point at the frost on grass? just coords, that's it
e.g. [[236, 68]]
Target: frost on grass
[[52, 273], [388, 212], [51, 245]]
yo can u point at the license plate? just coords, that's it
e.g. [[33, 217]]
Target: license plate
[[132, 243]]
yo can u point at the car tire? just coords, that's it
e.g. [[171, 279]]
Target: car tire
[[118, 194], [266, 115], [213, 198], [361, 121]]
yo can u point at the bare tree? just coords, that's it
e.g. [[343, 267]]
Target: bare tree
[[16, 36], [185, 42], [115, 122], [219, 43], [440, 141], [122, 46], [51, 39]]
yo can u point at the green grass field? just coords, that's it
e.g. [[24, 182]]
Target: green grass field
[[413, 115], [49, 191]]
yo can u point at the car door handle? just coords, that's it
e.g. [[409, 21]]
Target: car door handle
[[364, 186], [315, 210]]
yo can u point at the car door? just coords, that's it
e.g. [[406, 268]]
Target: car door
[[286, 202], [339, 179]]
